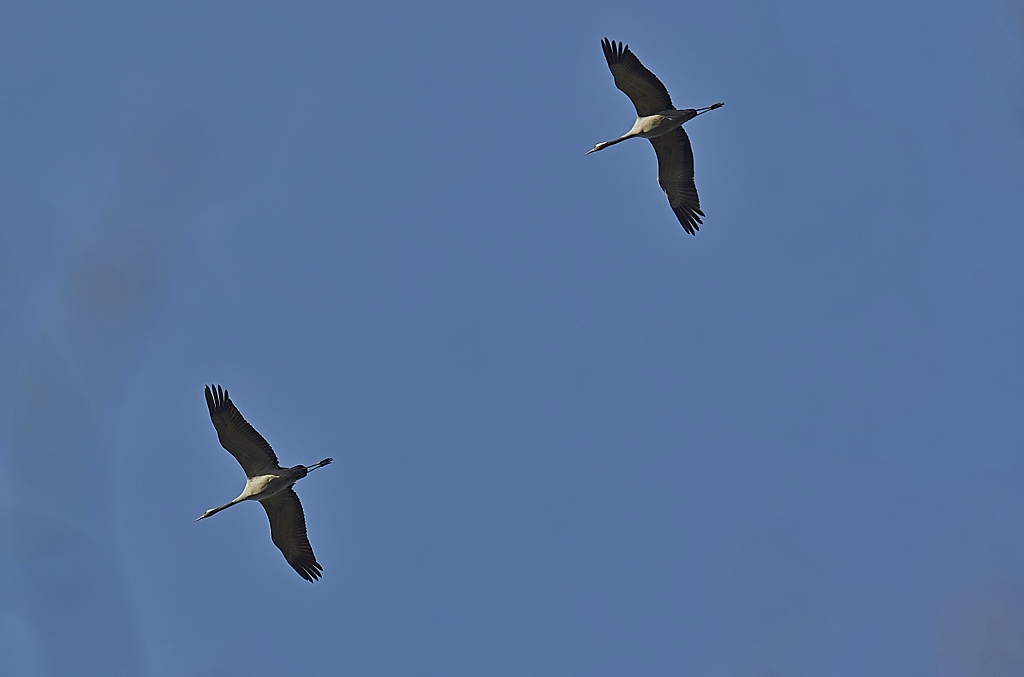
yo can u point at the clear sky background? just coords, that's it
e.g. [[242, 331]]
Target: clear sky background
[[569, 438]]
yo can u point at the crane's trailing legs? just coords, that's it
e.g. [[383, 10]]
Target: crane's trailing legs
[[326, 461], [713, 106]]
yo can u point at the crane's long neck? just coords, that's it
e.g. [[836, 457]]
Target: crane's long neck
[[605, 144], [214, 511]]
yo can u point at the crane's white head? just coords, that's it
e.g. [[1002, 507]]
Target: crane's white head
[[211, 511]]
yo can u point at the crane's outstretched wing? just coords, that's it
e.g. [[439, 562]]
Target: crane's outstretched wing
[[642, 87], [236, 435], [675, 176], [288, 529]]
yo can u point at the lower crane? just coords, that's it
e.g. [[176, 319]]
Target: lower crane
[[265, 481]]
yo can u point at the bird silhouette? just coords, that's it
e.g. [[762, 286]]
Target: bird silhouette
[[265, 481]]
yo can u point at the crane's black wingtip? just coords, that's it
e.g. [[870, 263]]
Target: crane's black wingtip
[[614, 51], [311, 571], [689, 218], [216, 397], [696, 221]]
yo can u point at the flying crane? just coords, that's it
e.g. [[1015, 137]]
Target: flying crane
[[265, 481], [659, 121]]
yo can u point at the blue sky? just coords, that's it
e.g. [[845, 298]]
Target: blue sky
[[569, 439]]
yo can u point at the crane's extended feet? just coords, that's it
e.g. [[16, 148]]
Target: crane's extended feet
[[711, 107], [326, 461]]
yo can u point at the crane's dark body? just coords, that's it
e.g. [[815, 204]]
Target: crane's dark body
[[266, 481], [658, 121]]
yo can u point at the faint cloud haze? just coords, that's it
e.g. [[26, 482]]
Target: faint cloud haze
[[68, 604], [1016, 8], [776, 614], [121, 276], [982, 631], [1017, 11]]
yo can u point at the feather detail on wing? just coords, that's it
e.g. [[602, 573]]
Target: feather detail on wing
[[241, 440], [288, 530], [642, 87], [675, 176]]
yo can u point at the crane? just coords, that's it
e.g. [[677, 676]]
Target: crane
[[659, 121], [265, 481]]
